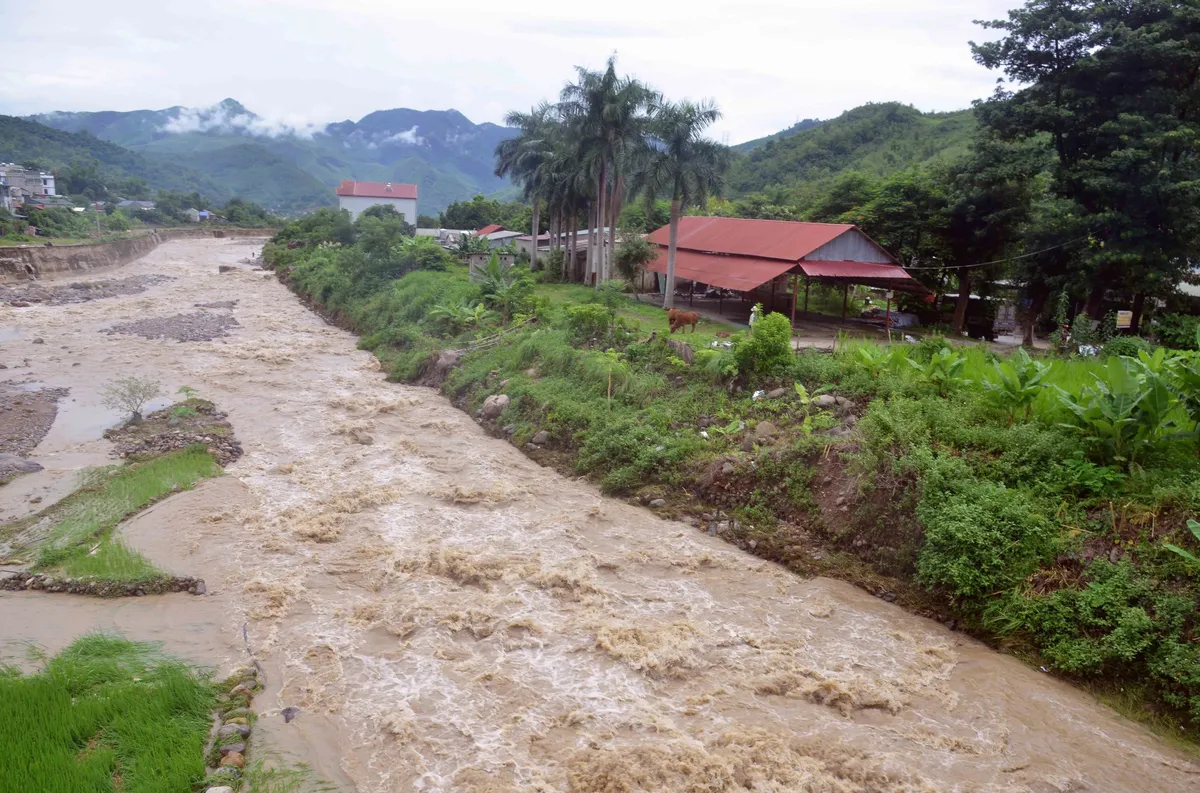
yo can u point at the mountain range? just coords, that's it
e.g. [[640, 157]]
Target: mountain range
[[291, 168], [227, 150]]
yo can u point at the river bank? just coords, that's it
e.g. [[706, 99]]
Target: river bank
[[446, 614]]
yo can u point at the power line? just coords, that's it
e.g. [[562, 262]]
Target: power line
[[1001, 261]]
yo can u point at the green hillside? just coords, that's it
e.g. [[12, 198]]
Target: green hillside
[[877, 139], [27, 141], [252, 172], [794, 129]]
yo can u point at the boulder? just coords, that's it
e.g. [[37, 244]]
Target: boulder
[[540, 438], [748, 443], [239, 747], [764, 430], [39, 341], [494, 405], [777, 393], [360, 437], [658, 502], [221, 789], [850, 420], [234, 759], [682, 350], [825, 401], [225, 268], [728, 468], [230, 730], [11, 462]]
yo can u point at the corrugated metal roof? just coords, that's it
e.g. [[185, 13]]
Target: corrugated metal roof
[[351, 188], [490, 229], [742, 273], [766, 239], [888, 276]]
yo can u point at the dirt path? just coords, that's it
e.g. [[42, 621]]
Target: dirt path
[[447, 615]]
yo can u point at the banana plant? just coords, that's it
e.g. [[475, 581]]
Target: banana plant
[[1184, 377], [1016, 383], [944, 370], [1122, 414], [1194, 528]]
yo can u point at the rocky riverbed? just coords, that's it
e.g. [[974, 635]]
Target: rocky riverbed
[[436, 612], [57, 294]]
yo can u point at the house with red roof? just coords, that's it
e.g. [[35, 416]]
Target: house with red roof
[[356, 197]]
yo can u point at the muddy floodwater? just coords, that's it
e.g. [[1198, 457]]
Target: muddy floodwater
[[448, 615]]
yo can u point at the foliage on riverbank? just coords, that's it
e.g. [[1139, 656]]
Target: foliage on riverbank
[[1031, 498], [104, 715]]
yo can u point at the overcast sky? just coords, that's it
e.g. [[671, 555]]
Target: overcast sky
[[767, 63]]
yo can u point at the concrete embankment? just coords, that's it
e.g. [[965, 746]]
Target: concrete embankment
[[27, 262]]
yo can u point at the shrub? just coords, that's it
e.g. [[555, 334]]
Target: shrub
[[1125, 346], [1177, 331], [767, 351], [587, 322], [981, 540], [130, 394]]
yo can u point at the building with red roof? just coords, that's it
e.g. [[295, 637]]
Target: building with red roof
[[743, 254], [356, 197], [489, 229]]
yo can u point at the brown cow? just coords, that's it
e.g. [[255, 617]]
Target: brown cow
[[682, 319]]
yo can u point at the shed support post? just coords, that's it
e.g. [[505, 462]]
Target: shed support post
[[807, 284], [795, 289], [845, 301]]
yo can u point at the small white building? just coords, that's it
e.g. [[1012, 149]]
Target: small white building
[[356, 197]]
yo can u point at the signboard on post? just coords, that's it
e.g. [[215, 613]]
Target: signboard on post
[[1124, 320]]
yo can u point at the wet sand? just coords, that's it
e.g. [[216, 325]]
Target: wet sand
[[450, 616]]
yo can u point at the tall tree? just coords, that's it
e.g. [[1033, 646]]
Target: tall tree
[[683, 163], [525, 158], [608, 116], [1114, 87]]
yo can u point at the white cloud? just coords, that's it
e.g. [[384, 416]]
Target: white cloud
[[219, 118], [409, 137]]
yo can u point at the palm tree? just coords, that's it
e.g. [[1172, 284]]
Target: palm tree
[[607, 115], [523, 157], [683, 162]]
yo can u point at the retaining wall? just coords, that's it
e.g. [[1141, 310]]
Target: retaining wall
[[28, 262]]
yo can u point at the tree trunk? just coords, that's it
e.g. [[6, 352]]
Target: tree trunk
[[601, 212], [537, 207], [574, 244], [618, 193], [1095, 301], [1037, 301], [964, 299], [591, 243], [1139, 305], [672, 243]]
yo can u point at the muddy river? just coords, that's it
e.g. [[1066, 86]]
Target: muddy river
[[448, 615]]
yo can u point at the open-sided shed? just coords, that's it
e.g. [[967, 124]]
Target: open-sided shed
[[744, 254]]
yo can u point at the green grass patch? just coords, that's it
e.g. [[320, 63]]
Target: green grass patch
[[80, 543], [104, 715]]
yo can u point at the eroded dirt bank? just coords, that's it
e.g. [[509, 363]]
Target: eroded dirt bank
[[447, 615]]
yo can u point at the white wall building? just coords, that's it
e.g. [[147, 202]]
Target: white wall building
[[356, 197]]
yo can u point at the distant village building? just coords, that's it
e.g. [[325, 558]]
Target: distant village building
[[477, 263], [147, 205], [498, 236], [357, 197], [18, 184], [193, 215]]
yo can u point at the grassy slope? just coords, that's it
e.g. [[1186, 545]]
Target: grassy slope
[[878, 139], [104, 715]]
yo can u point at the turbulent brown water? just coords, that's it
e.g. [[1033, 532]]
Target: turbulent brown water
[[447, 615]]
